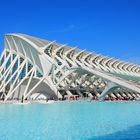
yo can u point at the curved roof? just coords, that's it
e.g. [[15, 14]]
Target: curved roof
[[37, 41], [40, 44]]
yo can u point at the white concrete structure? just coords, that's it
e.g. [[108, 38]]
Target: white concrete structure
[[31, 65]]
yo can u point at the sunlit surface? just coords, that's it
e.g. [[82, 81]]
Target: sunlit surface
[[70, 121]]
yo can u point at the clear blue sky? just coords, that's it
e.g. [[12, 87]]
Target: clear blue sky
[[108, 27]]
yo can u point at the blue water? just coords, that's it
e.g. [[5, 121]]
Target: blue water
[[71, 121]]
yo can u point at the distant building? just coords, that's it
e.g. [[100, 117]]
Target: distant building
[[35, 68]]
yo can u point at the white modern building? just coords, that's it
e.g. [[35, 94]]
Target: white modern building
[[35, 68]]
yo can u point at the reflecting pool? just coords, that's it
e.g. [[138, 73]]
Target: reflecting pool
[[70, 121]]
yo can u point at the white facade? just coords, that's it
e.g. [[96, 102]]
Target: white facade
[[31, 66]]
